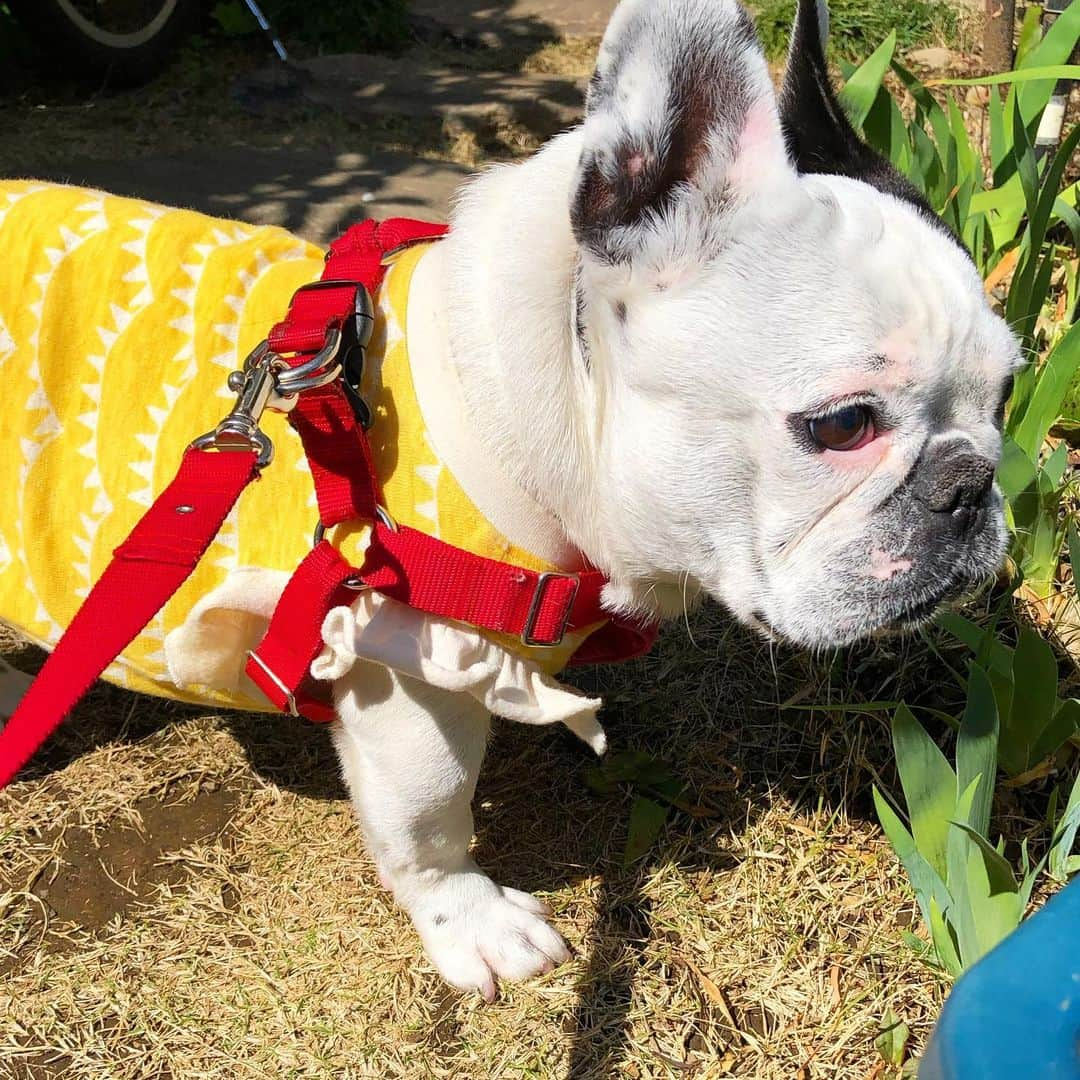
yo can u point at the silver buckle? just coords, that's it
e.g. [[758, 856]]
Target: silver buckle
[[528, 633], [290, 700]]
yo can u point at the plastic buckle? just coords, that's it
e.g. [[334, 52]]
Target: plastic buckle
[[528, 634]]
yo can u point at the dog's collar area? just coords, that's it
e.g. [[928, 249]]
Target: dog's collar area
[[310, 363]]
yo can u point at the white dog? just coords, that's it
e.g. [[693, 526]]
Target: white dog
[[712, 342]]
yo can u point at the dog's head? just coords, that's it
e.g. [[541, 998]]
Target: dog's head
[[801, 381]]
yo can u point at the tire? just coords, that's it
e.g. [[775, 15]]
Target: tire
[[126, 55]]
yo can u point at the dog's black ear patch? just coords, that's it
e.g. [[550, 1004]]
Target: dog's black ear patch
[[819, 135], [641, 171], [676, 84]]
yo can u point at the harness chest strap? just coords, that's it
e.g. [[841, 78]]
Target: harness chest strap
[[315, 353]]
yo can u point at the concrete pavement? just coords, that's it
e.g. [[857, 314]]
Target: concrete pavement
[[314, 193], [503, 22]]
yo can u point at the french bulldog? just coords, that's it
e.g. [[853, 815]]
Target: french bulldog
[[711, 342], [731, 352]]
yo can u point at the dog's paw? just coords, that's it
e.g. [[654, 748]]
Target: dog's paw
[[476, 933]]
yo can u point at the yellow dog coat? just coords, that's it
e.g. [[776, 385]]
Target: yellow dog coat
[[119, 324]]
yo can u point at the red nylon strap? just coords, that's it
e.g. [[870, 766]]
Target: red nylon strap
[[425, 573], [417, 569], [338, 455], [146, 570], [429, 575], [336, 447], [357, 256], [280, 666]]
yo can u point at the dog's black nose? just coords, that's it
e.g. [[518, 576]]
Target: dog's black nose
[[953, 480]]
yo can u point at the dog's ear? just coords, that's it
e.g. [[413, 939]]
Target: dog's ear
[[819, 135], [680, 113]]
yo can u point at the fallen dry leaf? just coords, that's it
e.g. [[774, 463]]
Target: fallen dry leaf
[[1001, 271], [836, 997]]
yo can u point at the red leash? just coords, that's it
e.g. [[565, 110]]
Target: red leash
[[315, 353]]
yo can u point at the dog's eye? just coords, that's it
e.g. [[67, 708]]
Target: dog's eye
[[846, 429]]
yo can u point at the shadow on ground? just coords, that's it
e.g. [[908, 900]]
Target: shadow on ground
[[315, 194]]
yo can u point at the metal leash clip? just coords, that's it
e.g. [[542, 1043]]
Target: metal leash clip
[[266, 377], [254, 386]]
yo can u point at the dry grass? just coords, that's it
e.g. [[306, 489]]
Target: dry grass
[[187, 895]]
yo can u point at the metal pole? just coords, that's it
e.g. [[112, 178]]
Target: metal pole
[[1053, 118], [267, 29]]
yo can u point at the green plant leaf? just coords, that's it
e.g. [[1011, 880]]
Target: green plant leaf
[[1056, 47], [970, 161], [1030, 288], [1030, 33], [929, 785], [979, 640], [893, 1040], [1064, 726], [993, 897], [1053, 471], [1031, 721], [915, 943], [925, 881], [961, 914], [636, 767], [1031, 74], [1017, 472], [1074, 553], [1031, 874], [885, 130], [999, 874], [976, 747], [999, 144], [599, 782], [1064, 840], [1004, 204], [647, 820], [860, 91], [1055, 378], [233, 18], [1071, 219], [944, 942]]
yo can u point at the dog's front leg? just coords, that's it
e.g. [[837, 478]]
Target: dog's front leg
[[411, 754]]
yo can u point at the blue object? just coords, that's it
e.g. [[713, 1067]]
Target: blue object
[[1016, 1014]]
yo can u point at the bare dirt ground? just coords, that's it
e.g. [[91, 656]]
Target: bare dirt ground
[[186, 895]]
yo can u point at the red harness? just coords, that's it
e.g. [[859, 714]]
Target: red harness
[[316, 355]]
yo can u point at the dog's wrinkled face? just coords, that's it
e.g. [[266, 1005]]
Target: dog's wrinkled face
[[805, 379]]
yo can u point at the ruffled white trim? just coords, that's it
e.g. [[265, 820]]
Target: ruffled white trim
[[454, 657], [210, 650]]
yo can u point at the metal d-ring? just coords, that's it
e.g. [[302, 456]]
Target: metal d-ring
[[380, 512]]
